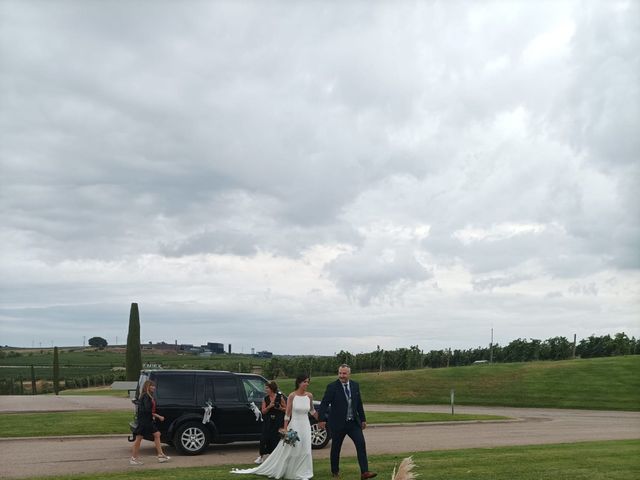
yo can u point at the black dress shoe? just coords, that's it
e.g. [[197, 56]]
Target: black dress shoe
[[367, 475]]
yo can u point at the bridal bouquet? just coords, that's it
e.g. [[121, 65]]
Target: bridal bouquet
[[290, 437]]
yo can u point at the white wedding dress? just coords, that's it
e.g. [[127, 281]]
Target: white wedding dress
[[287, 461]]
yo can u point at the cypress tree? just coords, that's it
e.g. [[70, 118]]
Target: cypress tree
[[134, 352], [56, 371]]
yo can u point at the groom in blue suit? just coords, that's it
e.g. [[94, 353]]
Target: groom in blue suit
[[346, 417]]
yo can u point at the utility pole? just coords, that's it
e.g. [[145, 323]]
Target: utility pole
[[574, 346], [491, 347]]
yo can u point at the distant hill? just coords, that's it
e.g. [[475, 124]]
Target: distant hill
[[611, 383]]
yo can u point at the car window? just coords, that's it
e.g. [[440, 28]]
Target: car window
[[225, 389], [173, 388], [208, 389], [254, 388], [143, 378]]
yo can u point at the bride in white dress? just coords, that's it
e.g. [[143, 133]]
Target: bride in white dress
[[292, 462]]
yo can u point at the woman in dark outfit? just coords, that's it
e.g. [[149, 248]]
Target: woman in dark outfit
[[147, 417], [273, 408]]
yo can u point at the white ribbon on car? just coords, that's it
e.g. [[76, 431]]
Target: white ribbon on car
[[208, 408], [256, 411]]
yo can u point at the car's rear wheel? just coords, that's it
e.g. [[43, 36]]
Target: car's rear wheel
[[191, 438], [319, 436]]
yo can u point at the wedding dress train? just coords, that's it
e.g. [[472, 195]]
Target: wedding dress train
[[291, 462]]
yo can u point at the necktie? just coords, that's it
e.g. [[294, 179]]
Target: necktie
[[349, 407]]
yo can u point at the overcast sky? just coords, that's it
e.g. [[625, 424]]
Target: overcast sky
[[307, 177]]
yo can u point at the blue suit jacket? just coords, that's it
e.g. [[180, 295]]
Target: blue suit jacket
[[335, 397]]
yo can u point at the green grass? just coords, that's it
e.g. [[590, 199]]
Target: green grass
[[115, 422], [64, 423], [613, 460], [420, 417], [99, 391], [611, 383]]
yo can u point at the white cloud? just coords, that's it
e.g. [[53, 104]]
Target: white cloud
[[550, 44], [502, 231], [435, 167]]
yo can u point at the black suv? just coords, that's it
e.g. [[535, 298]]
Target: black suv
[[183, 398]]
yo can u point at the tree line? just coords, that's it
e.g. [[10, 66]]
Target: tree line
[[519, 350]]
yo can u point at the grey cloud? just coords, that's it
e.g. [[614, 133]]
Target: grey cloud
[[372, 274], [599, 110], [488, 284], [240, 127], [589, 289], [223, 241]]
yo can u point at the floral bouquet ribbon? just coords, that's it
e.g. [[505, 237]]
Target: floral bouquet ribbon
[[290, 437], [207, 413], [256, 411]]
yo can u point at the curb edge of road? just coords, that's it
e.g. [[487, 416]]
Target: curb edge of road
[[375, 425]]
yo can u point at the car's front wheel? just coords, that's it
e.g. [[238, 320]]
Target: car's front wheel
[[192, 438], [319, 436]]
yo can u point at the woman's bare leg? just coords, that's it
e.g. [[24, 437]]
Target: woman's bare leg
[[136, 446]]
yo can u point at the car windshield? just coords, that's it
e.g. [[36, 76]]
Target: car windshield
[[254, 387]]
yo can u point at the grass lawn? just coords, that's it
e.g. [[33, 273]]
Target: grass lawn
[[609, 383], [114, 422], [101, 391], [614, 460], [64, 423]]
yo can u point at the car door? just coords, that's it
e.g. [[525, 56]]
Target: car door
[[253, 387], [232, 414], [175, 397]]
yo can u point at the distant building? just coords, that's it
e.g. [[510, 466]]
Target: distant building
[[264, 354], [215, 347]]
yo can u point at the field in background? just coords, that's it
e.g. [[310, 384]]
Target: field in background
[[82, 368], [598, 383], [94, 362], [611, 383]]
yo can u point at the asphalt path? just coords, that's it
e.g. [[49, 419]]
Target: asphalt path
[[23, 458]]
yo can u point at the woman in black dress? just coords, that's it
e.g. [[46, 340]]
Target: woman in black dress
[[273, 408], [147, 417]]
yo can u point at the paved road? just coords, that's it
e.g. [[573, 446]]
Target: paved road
[[61, 403], [65, 456]]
